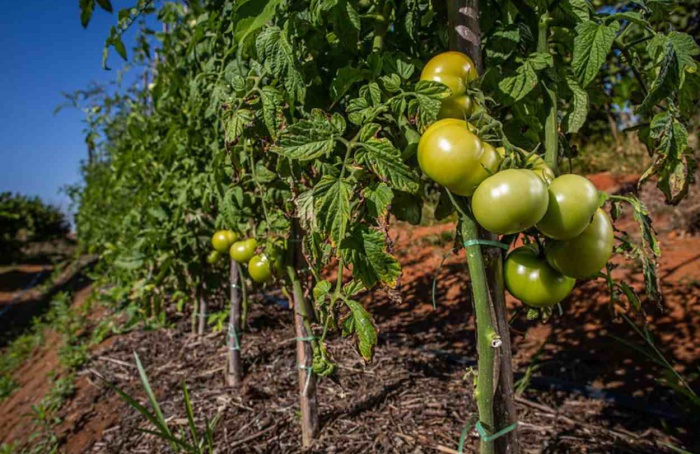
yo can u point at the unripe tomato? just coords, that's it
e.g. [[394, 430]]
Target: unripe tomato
[[490, 162], [243, 251], [459, 107], [259, 269], [450, 155], [453, 69], [540, 167], [586, 254], [213, 257], [222, 240], [531, 280], [510, 201], [572, 202]]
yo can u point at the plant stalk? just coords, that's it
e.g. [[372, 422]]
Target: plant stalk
[[202, 310], [234, 372]]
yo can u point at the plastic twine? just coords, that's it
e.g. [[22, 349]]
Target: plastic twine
[[481, 242]]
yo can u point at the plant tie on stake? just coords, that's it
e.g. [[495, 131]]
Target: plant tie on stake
[[481, 242], [483, 433], [233, 334]]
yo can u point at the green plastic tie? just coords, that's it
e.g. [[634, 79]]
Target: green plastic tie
[[232, 334], [485, 435], [306, 339], [481, 242]]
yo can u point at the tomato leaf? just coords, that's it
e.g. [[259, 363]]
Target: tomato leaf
[[366, 249], [578, 107], [86, 9], [378, 197], [310, 138], [516, 87], [592, 45], [333, 207], [276, 50], [385, 161], [363, 327]]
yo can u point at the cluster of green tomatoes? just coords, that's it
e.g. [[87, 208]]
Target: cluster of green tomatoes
[[242, 251], [573, 235]]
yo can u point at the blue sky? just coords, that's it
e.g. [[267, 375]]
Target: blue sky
[[46, 51]]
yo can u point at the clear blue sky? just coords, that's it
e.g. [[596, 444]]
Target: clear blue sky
[[46, 51]]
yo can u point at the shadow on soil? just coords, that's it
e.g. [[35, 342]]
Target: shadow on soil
[[586, 352]]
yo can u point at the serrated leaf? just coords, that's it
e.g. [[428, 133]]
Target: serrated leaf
[[516, 87], [310, 138], [333, 208], [378, 198], [365, 249], [272, 103], [502, 43], [321, 290], [306, 210], [673, 54], [391, 83], [364, 329], [580, 10], [385, 161], [276, 51], [368, 131], [670, 163], [235, 122], [592, 45], [578, 107]]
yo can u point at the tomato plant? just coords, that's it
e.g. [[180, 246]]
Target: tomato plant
[[572, 202], [243, 251]]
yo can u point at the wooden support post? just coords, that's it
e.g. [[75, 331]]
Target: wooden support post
[[234, 371]]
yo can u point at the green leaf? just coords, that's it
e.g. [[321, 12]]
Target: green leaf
[[252, 15], [385, 161], [378, 198], [364, 329], [673, 54], [306, 210], [333, 208], [365, 249], [277, 52], [592, 45], [502, 43], [106, 5], [516, 87], [670, 164], [578, 107], [321, 290], [344, 79], [580, 10], [235, 122], [425, 105], [86, 9], [272, 103], [310, 138]]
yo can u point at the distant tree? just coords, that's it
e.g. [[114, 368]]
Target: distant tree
[[24, 220]]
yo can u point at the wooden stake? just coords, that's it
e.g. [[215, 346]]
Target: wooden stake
[[302, 324], [234, 372], [465, 36]]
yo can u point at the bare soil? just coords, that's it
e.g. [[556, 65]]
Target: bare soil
[[585, 389]]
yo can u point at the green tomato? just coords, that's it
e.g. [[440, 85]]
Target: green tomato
[[510, 201], [213, 257], [572, 202], [450, 155], [540, 167], [459, 107], [243, 251], [453, 69], [531, 280], [222, 240], [259, 269], [585, 255]]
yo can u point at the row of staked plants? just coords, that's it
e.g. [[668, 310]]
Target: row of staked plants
[[307, 126]]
